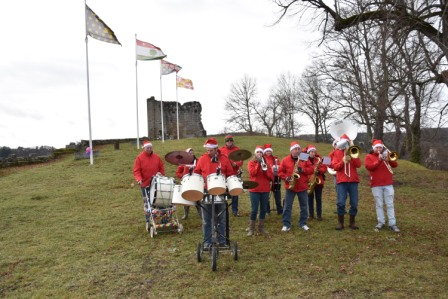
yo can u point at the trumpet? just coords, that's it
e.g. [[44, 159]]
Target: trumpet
[[263, 164], [353, 151], [295, 176]]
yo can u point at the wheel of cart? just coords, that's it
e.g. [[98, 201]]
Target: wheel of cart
[[214, 248]]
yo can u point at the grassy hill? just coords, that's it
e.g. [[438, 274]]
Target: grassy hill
[[74, 230]]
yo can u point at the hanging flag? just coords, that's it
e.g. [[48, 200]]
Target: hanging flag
[[184, 83], [147, 51], [168, 68], [97, 29]]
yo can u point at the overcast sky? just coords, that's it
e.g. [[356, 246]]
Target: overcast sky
[[43, 85]]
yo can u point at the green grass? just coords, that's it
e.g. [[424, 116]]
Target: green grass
[[74, 230]]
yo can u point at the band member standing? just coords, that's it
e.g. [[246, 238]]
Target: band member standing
[[183, 170], [274, 162], [347, 181], [146, 165], [208, 164], [226, 150], [319, 170], [260, 172], [295, 174], [381, 182]]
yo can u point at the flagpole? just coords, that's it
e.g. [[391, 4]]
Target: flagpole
[[136, 92], [88, 88], [177, 110], [161, 102]]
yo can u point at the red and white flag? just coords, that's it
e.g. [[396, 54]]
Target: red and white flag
[[184, 83], [147, 51], [168, 68]]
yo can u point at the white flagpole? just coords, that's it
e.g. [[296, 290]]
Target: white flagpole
[[161, 102], [177, 110], [136, 91], [88, 88]]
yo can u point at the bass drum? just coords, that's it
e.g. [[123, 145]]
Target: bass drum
[[192, 187], [177, 197], [161, 191]]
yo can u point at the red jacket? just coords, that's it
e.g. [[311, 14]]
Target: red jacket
[[379, 174], [226, 152], [263, 178], [322, 169], [287, 167], [183, 169], [338, 165], [146, 166], [205, 166]]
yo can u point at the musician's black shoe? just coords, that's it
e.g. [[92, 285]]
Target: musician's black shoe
[[236, 214]]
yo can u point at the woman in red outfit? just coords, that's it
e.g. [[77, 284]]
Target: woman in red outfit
[[182, 170], [261, 173], [319, 170]]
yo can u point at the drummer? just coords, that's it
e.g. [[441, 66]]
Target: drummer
[[146, 165], [208, 164], [182, 170], [236, 165]]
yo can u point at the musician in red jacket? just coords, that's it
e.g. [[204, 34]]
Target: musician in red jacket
[[228, 148], [381, 182], [208, 164], [319, 170], [347, 181], [290, 168], [146, 165], [182, 170], [260, 172], [274, 163]]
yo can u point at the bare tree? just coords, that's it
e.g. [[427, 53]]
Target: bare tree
[[269, 114], [315, 101], [427, 17], [240, 105]]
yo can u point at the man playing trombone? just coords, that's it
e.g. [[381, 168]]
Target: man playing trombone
[[345, 162], [380, 164]]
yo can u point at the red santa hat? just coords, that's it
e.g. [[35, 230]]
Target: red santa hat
[[294, 145], [267, 148], [147, 144], [258, 148], [211, 143], [377, 143], [345, 137], [310, 148]]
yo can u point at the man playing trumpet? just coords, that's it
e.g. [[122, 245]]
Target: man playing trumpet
[[380, 167], [347, 180]]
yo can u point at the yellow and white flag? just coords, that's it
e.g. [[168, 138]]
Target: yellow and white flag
[[97, 29]]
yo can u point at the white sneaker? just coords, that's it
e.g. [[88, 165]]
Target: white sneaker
[[286, 229], [305, 227], [147, 226]]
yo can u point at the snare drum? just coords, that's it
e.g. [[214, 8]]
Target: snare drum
[[161, 191], [218, 199], [177, 197], [216, 184], [192, 187], [234, 185]]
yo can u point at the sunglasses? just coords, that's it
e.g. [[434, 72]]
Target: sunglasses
[[229, 139]]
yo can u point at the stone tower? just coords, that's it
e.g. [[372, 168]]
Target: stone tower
[[190, 123]]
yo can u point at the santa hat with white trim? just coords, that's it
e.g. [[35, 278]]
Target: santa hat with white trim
[[267, 148], [377, 143], [294, 145], [147, 144], [211, 143]]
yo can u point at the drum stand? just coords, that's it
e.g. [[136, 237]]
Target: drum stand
[[214, 245]]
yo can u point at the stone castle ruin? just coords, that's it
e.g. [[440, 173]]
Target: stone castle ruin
[[190, 123]]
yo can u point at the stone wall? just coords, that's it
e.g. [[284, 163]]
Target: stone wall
[[190, 119]]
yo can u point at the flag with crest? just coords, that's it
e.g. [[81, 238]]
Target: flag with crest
[[147, 51], [184, 83], [168, 68]]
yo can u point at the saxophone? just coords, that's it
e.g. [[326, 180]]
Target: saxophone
[[295, 175], [314, 180]]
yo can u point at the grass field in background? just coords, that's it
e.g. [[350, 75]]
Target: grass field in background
[[74, 230]]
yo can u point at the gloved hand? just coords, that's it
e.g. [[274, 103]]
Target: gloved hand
[[299, 169], [318, 172], [347, 158], [288, 179]]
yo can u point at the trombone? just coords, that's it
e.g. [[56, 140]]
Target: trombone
[[353, 151], [389, 155]]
